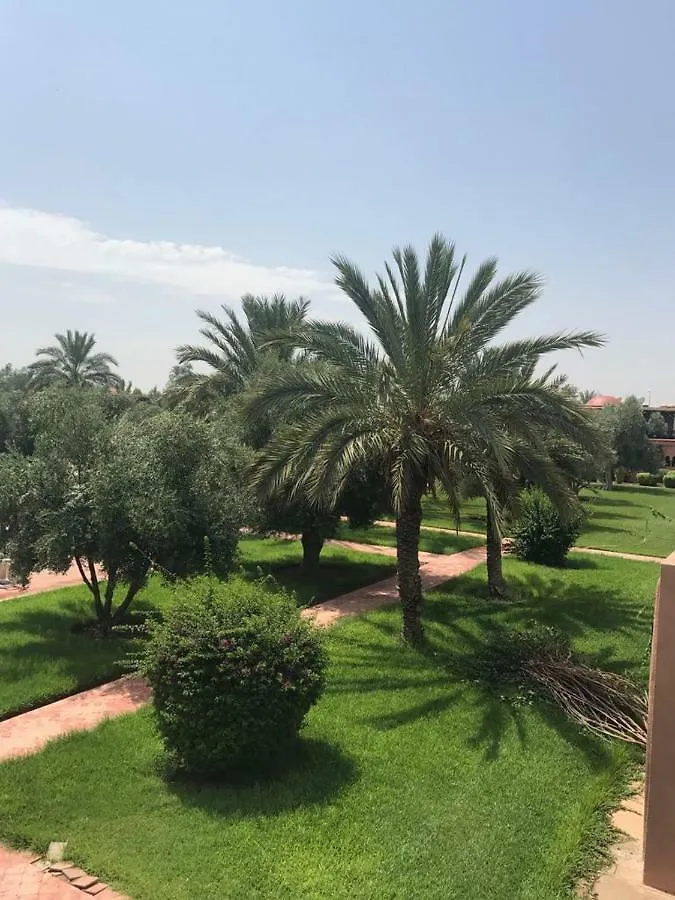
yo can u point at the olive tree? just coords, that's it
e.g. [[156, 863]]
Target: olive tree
[[124, 495]]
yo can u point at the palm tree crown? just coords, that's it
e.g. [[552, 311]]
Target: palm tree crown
[[71, 361], [235, 348], [424, 394]]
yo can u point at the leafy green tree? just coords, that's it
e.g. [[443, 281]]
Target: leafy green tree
[[125, 495], [15, 431], [71, 361], [235, 348], [422, 395], [626, 430], [656, 426], [282, 513]]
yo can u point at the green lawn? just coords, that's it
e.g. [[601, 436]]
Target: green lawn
[[630, 519], [430, 541], [41, 658], [411, 781]]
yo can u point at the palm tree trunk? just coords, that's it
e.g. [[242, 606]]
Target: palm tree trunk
[[312, 544], [408, 566], [496, 584]]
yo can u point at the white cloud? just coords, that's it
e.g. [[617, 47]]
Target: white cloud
[[43, 240]]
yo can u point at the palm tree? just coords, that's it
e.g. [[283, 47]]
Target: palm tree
[[235, 348], [423, 395], [533, 464], [72, 362]]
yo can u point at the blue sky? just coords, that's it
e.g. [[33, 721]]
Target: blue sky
[[156, 157]]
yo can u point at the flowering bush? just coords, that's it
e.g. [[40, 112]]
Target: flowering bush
[[234, 670]]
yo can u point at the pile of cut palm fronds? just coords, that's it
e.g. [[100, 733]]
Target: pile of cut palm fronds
[[540, 660], [607, 704]]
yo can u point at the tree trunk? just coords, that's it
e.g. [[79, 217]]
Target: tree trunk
[[312, 544], [121, 611], [93, 585], [110, 591], [408, 565], [496, 585]]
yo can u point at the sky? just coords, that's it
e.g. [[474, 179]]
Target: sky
[[156, 158]]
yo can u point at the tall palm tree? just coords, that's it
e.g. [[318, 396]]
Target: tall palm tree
[[423, 394], [235, 348], [71, 361]]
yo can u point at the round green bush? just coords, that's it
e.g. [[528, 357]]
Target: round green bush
[[669, 480], [540, 534], [646, 479], [234, 671]]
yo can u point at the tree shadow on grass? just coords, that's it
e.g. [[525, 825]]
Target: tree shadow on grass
[[606, 498], [336, 575], [310, 772], [547, 599], [462, 626], [44, 650], [593, 526]]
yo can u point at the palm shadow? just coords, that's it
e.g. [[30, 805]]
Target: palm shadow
[[462, 625]]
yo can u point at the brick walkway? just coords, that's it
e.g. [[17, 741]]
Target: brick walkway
[[434, 570], [636, 557], [46, 581], [19, 880], [28, 733], [23, 877]]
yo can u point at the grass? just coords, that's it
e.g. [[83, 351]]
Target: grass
[[628, 519], [411, 779], [430, 541], [341, 570], [631, 519], [42, 658]]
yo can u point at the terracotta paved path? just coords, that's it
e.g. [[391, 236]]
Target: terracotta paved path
[[19, 880], [30, 731], [46, 581]]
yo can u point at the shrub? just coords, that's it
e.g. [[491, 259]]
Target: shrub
[[540, 533], [669, 480], [646, 479], [234, 670]]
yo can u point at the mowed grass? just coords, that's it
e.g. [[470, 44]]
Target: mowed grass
[[42, 658], [430, 541], [411, 780], [631, 519], [627, 519]]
